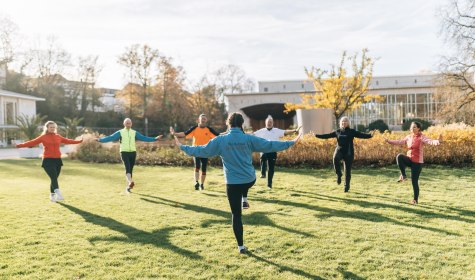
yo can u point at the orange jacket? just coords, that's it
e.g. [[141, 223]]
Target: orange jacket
[[51, 142]]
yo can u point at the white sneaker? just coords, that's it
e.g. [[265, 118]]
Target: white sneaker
[[52, 197], [127, 190], [59, 196]]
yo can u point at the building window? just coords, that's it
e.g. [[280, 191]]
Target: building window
[[283, 86], [377, 83], [396, 82], [10, 113], [266, 89], [415, 81]]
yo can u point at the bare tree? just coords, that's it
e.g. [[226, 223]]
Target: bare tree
[[458, 29], [140, 62], [231, 79], [8, 33], [88, 70]]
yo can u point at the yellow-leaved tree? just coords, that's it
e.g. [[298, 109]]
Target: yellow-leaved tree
[[336, 89]]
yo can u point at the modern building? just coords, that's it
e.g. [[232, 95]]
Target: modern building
[[404, 97]]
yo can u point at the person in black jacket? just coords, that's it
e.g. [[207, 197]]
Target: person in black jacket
[[344, 150]]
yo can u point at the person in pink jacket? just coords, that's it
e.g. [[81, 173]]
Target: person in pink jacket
[[414, 158]]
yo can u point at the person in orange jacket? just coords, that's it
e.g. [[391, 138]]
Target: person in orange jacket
[[52, 162]]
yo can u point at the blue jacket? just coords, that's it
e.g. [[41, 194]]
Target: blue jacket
[[116, 137], [235, 149]]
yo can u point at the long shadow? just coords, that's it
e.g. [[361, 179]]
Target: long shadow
[[360, 215], [158, 238], [414, 210], [255, 218], [349, 275], [285, 268]]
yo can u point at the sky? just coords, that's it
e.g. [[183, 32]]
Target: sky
[[268, 39]]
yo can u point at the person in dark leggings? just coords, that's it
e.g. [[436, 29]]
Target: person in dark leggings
[[344, 150], [235, 149], [52, 162], [268, 160], [128, 151], [201, 134], [415, 158]]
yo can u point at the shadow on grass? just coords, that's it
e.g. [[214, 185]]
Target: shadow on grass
[[360, 215], [255, 218], [158, 238], [284, 267], [413, 209]]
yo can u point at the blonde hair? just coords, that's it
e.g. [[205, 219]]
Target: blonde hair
[[345, 118], [45, 127]]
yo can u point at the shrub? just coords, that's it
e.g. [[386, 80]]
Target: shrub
[[361, 127], [458, 149], [379, 125], [425, 124]]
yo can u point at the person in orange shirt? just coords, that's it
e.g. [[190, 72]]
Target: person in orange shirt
[[52, 162], [201, 134]]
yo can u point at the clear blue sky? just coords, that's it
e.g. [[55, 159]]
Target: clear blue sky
[[270, 40]]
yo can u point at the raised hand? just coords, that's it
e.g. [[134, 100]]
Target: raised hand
[[172, 131], [158, 137], [177, 142], [297, 138]]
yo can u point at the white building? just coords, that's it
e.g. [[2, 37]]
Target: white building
[[404, 97], [12, 105]]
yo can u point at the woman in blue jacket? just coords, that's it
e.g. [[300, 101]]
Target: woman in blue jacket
[[235, 149]]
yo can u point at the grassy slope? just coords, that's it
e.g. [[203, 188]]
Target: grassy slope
[[306, 227]]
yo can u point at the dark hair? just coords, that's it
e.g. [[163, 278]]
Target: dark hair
[[418, 124], [235, 120]]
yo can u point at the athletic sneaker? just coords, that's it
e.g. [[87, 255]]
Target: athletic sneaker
[[263, 176], [243, 250], [59, 196], [128, 190], [414, 202], [347, 189], [338, 179], [269, 186], [131, 185], [202, 187], [401, 179], [245, 205], [197, 186], [52, 197]]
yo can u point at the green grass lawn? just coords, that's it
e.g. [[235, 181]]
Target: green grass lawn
[[306, 227]]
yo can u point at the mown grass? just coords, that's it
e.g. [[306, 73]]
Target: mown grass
[[306, 227]]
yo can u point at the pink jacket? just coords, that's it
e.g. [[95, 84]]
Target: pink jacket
[[415, 145]]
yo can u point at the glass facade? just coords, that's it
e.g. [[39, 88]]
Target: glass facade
[[394, 109]]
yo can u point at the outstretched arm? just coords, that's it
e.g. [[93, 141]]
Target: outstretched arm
[[396, 142], [326, 136], [31, 143], [359, 134], [177, 134], [139, 136], [69, 141], [114, 137], [266, 146], [292, 130], [209, 150], [427, 140]]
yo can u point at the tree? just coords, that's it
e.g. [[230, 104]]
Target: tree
[[70, 127], [203, 100], [88, 71], [8, 33], [424, 124], [29, 125], [337, 90], [378, 125], [140, 61], [231, 79], [458, 28]]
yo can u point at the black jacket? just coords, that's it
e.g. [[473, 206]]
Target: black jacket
[[344, 138]]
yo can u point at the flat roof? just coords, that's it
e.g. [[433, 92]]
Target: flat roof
[[19, 95]]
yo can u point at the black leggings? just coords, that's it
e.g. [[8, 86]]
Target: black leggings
[[347, 161], [404, 161], [235, 193], [268, 159], [128, 158], [201, 163], [52, 167]]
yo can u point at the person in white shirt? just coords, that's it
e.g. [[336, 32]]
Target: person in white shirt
[[267, 160]]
